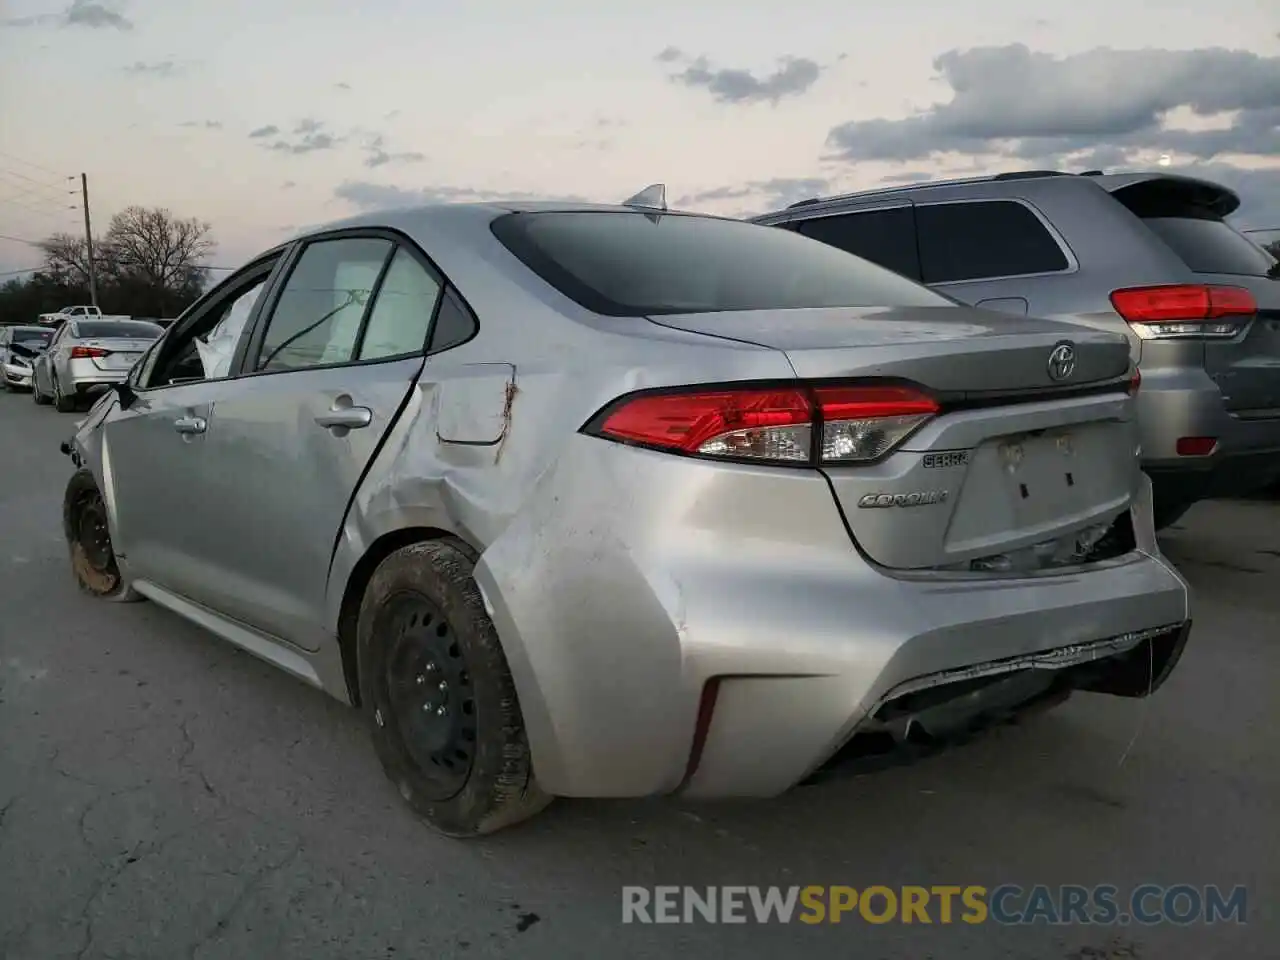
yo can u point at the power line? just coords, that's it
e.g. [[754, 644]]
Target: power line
[[43, 212], [14, 273], [36, 166], [34, 243], [33, 190]]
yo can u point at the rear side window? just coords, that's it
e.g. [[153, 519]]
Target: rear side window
[[1209, 245], [620, 263], [984, 240], [886, 237], [134, 329]]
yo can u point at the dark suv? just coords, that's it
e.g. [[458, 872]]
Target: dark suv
[[1149, 254]]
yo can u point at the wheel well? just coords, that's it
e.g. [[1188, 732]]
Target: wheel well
[[349, 613]]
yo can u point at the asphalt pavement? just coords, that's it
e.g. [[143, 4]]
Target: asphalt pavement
[[164, 795]]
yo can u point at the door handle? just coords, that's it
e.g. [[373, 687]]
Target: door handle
[[190, 425], [342, 417]]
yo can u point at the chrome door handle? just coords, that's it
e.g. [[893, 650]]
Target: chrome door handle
[[190, 425], [342, 416]]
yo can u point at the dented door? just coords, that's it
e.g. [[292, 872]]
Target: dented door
[[283, 456]]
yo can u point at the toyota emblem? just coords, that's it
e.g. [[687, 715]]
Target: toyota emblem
[[1062, 362]]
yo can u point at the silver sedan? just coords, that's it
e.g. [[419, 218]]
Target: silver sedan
[[86, 357], [592, 501]]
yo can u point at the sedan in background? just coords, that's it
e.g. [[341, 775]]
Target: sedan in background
[[19, 347], [86, 357], [595, 501]]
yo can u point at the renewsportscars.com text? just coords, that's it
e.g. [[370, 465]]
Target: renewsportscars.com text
[[1008, 904]]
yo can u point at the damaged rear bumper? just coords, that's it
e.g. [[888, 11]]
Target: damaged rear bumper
[[695, 638]]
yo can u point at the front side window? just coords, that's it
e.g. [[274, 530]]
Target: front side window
[[620, 263], [316, 320]]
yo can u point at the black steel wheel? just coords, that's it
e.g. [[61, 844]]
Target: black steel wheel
[[430, 693], [87, 529], [439, 696]]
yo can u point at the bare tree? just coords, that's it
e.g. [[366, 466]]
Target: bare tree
[[154, 247], [65, 259]]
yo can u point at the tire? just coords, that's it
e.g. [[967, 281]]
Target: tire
[[85, 525], [438, 694], [60, 403]]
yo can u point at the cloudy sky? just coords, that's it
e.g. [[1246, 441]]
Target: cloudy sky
[[265, 116]]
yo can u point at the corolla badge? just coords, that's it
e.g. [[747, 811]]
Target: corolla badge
[[1062, 361], [921, 498]]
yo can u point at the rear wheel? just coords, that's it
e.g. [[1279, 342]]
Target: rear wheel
[[85, 524], [439, 695], [62, 403]]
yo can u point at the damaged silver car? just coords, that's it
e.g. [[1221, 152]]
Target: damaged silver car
[[611, 501]]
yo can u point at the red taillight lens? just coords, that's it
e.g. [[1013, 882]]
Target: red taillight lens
[[1135, 381], [1181, 311], [768, 424], [778, 424], [79, 353]]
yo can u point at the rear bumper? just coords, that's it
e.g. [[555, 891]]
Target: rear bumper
[[1189, 404], [677, 643], [87, 379]]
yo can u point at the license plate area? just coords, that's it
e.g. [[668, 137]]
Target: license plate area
[[1024, 487], [119, 361]]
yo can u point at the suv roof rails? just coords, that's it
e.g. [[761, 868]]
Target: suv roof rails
[[957, 181], [1031, 174]]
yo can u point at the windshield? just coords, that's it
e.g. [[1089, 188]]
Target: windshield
[[133, 329], [32, 337], [633, 264]]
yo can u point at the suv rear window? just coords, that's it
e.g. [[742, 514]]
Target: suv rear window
[[984, 240], [620, 263], [98, 329], [1209, 245]]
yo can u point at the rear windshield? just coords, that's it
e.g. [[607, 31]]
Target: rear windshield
[[619, 263], [133, 329], [32, 336], [1209, 245]]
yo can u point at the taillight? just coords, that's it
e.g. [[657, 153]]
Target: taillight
[[78, 353], [1135, 381], [793, 424], [1185, 311]]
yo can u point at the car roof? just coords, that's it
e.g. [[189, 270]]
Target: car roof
[[1225, 201], [28, 327]]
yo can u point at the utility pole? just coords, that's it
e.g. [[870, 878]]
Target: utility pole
[[88, 241]]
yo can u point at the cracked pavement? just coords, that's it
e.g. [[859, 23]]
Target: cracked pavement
[[165, 795]]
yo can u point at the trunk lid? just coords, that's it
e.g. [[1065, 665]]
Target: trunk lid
[[1017, 473], [949, 349], [122, 352]]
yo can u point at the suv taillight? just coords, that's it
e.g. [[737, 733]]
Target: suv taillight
[[1189, 311], [802, 424]]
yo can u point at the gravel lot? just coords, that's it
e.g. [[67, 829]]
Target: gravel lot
[[164, 795]]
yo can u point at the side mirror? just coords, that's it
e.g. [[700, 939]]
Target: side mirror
[[124, 392]]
